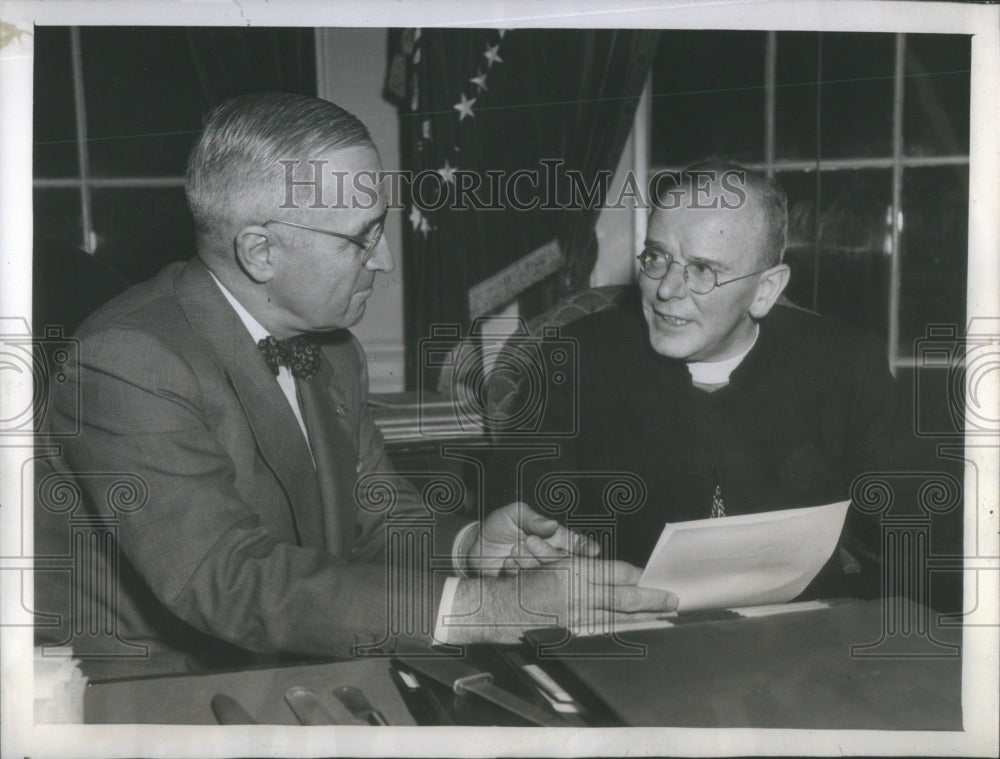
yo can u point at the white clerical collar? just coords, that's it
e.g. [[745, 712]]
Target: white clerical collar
[[256, 329], [717, 372]]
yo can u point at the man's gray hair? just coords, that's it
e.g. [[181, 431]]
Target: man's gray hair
[[243, 141], [763, 190]]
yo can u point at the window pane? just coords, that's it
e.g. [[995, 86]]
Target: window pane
[[708, 96], [139, 231], [148, 87], [57, 217], [936, 99], [800, 249], [55, 125], [844, 258], [856, 95], [795, 73], [934, 251], [143, 104]]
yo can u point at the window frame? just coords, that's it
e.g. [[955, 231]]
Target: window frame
[[897, 162]]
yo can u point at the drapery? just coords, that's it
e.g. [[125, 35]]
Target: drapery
[[232, 62], [510, 116]]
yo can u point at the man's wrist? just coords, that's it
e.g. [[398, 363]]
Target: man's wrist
[[485, 610], [462, 547], [445, 611]]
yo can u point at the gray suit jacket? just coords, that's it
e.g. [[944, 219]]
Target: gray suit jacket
[[233, 550]]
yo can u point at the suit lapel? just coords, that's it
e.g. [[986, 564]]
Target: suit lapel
[[275, 429], [325, 413]]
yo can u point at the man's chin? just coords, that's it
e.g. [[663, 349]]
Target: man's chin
[[670, 346], [359, 313], [346, 321]]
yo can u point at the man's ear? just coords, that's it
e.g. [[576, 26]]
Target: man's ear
[[254, 252], [769, 288]]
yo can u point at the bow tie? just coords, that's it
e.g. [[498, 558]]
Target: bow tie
[[297, 353]]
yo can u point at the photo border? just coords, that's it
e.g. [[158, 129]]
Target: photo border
[[20, 737]]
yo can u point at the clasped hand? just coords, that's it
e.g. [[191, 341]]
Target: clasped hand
[[544, 575], [517, 537]]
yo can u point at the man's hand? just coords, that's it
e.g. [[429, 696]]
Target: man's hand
[[517, 537], [579, 593]]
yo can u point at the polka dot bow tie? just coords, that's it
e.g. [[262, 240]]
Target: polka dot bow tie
[[297, 353]]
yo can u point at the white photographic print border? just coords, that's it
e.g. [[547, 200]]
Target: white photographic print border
[[21, 737]]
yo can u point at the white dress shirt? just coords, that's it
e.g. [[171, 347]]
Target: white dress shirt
[[257, 331]]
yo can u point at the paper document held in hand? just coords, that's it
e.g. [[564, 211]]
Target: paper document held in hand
[[747, 560]]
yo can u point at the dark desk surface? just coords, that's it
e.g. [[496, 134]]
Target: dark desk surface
[[806, 669], [793, 670], [186, 700]]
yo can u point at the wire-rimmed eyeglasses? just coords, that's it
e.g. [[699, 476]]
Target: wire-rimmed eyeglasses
[[700, 278], [367, 244]]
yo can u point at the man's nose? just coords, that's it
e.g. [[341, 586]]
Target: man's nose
[[381, 258], [672, 285]]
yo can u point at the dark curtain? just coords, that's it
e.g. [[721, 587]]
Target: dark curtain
[[232, 62], [549, 102]]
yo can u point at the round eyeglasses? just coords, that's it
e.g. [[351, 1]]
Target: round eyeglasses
[[699, 278], [367, 244]]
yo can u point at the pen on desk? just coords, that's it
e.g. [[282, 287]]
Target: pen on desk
[[357, 703], [423, 705], [307, 707], [228, 711], [558, 698]]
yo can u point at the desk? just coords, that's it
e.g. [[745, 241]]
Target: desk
[[186, 700], [792, 670]]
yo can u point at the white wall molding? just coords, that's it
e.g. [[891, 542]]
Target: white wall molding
[[350, 70], [385, 365]]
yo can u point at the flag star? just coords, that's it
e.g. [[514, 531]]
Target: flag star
[[464, 108], [480, 82], [416, 217], [501, 32], [491, 55], [425, 226], [447, 172]]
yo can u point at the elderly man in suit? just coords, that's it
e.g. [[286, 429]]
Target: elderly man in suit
[[230, 385]]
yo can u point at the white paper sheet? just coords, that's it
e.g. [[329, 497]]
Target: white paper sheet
[[748, 560]]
